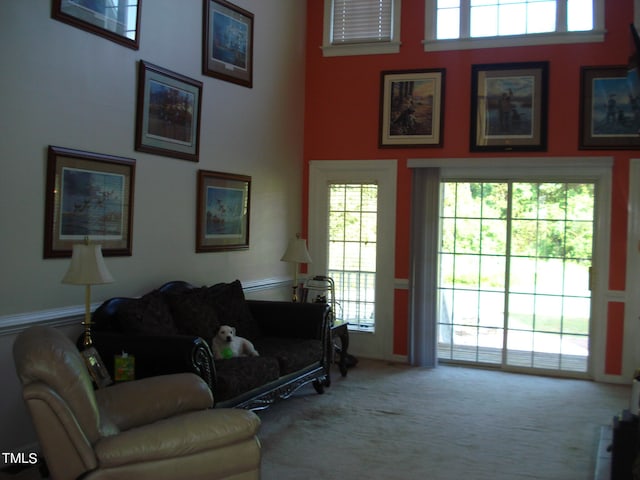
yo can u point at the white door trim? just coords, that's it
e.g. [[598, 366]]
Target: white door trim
[[631, 352], [378, 344]]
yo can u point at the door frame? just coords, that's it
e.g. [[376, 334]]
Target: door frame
[[632, 283], [377, 344], [590, 169]]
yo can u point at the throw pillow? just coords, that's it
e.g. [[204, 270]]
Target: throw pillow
[[231, 307], [147, 315], [193, 313]]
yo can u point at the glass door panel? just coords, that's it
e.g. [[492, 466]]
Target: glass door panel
[[514, 274]]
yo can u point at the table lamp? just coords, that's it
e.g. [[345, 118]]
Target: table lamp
[[296, 253], [87, 268]]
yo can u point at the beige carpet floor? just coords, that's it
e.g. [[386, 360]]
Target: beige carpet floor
[[387, 421], [390, 421]]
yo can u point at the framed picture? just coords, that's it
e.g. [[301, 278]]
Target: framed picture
[[96, 367], [117, 21], [411, 108], [509, 107], [168, 113], [223, 211], [609, 108], [88, 195], [227, 42]]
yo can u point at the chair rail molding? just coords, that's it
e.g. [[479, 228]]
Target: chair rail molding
[[74, 314]]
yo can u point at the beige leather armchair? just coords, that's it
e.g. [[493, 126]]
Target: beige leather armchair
[[155, 428]]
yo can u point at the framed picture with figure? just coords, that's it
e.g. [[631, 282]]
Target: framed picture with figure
[[609, 108], [411, 108], [509, 107]]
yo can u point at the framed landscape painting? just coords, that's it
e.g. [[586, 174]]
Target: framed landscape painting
[[224, 201], [168, 113], [89, 195], [609, 108], [227, 42], [411, 108], [509, 107]]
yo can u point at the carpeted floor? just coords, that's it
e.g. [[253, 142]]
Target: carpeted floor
[[393, 421], [450, 423]]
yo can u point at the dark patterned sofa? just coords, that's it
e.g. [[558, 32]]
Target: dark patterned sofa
[[169, 330]]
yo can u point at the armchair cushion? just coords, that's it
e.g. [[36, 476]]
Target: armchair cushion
[[131, 404]]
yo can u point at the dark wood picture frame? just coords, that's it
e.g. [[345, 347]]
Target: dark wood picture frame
[[88, 195], [609, 108], [223, 211], [509, 104], [227, 42], [108, 22], [411, 108], [168, 113], [96, 367]]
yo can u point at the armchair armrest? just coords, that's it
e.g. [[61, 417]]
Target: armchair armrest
[[181, 436], [158, 355], [140, 402], [289, 319]]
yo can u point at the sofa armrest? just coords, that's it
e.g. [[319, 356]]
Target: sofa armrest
[[289, 319], [140, 402], [158, 355]]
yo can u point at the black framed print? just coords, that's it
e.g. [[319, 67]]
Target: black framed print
[[609, 108], [509, 107]]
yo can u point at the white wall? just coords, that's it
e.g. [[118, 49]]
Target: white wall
[[66, 87]]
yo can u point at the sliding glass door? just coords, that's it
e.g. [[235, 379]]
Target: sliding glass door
[[514, 274]]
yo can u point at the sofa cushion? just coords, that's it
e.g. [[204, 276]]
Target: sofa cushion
[[292, 354], [147, 315], [235, 376], [231, 307], [193, 313]]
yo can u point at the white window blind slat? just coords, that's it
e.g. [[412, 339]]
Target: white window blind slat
[[357, 21]]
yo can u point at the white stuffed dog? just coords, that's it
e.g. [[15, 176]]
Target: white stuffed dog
[[227, 345]]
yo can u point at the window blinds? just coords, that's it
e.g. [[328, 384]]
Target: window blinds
[[357, 21]]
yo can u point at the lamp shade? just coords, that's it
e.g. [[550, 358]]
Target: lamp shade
[[87, 266], [297, 252]]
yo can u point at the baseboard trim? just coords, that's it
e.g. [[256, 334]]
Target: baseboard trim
[[603, 457]]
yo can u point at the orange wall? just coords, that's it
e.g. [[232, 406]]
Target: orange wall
[[342, 113]]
